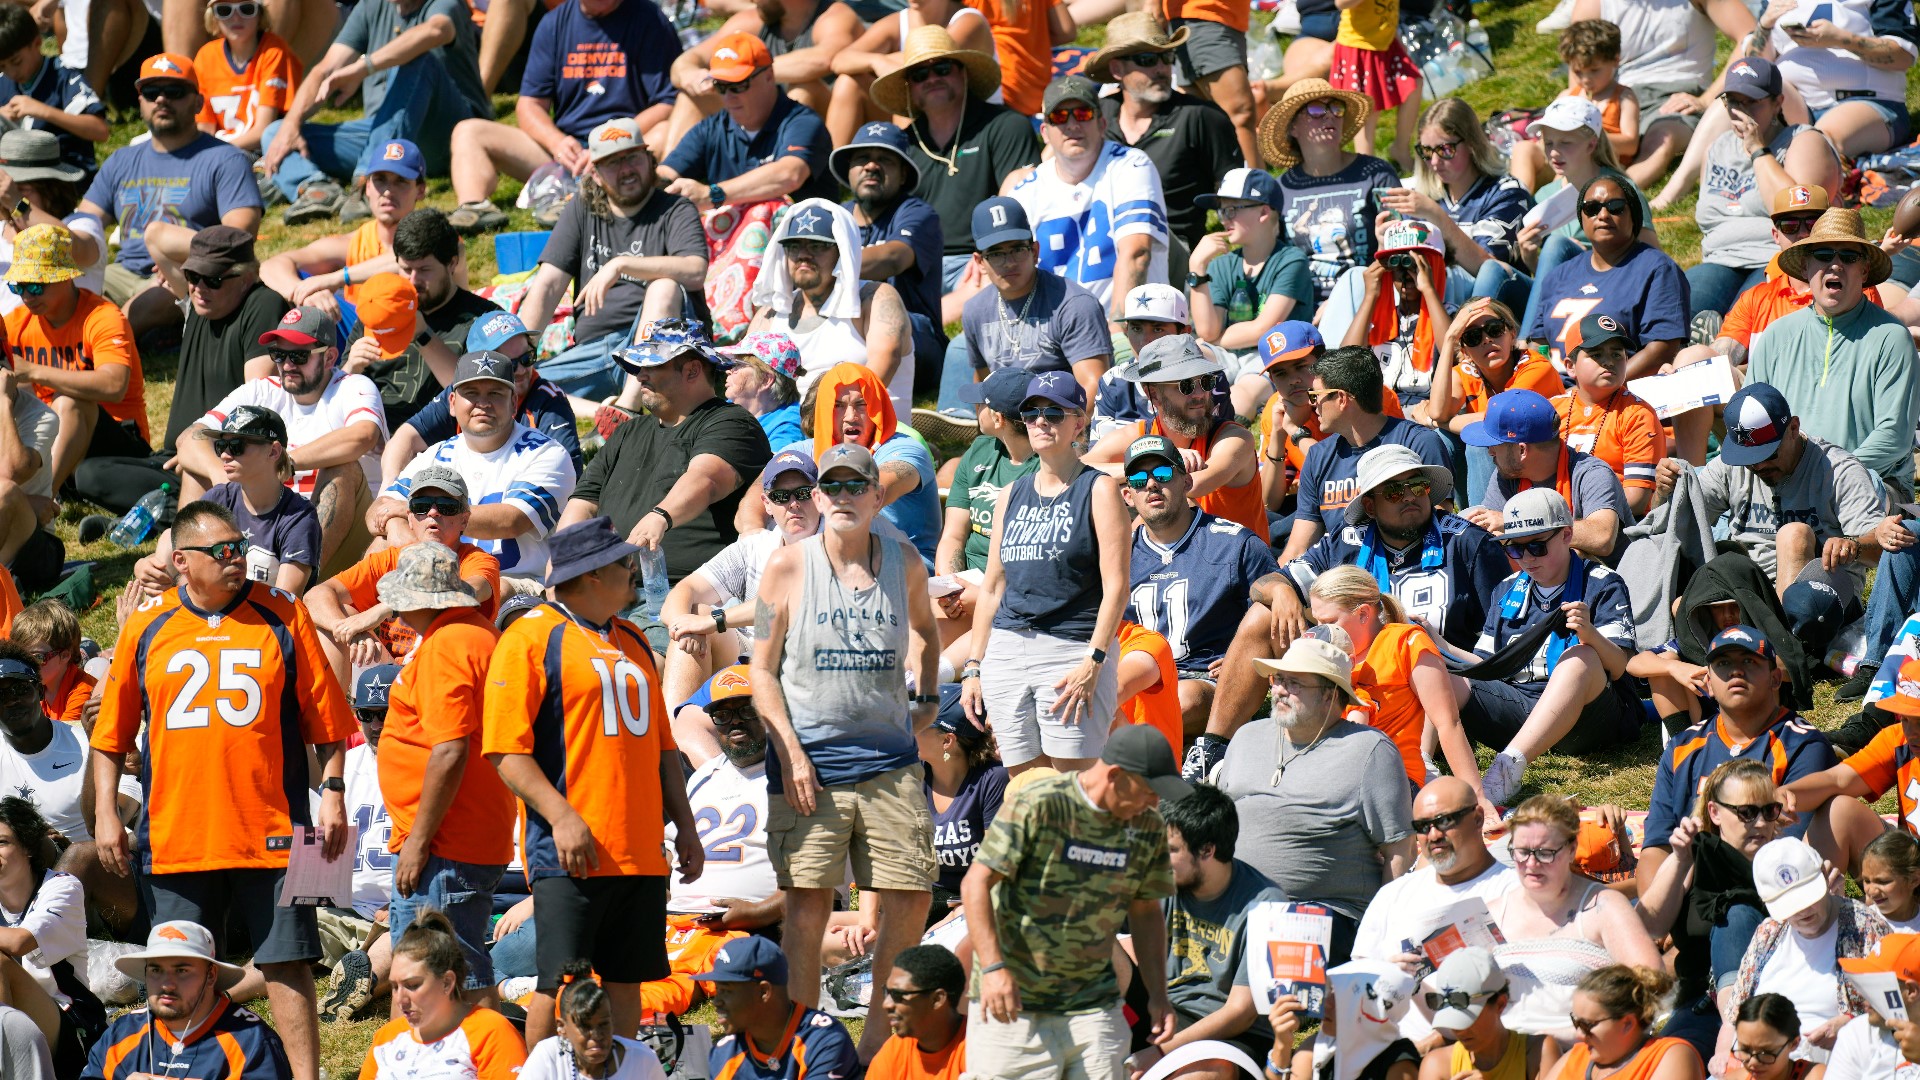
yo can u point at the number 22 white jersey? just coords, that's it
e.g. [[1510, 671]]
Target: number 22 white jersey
[[730, 811]]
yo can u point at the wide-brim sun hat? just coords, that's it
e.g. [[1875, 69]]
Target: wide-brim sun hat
[[1838, 226], [1311, 655], [1276, 144], [924, 46], [178, 940], [1386, 462], [35, 155], [1134, 32]]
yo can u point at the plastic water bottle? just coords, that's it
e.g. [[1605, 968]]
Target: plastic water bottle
[[137, 524], [653, 581]]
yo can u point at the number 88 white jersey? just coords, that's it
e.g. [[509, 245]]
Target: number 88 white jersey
[[1075, 225]]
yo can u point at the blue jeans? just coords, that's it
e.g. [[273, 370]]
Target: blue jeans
[[1727, 945], [463, 892], [1895, 595], [1505, 284], [1906, 268], [956, 371], [513, 955], [1555, 250], [422, 106], [1715, 287]]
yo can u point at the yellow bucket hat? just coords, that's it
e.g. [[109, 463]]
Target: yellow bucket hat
[[43, 255]]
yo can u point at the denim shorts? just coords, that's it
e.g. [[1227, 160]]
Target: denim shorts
[[1899, 120], [463, 892]]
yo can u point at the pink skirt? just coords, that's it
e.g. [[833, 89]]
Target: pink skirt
[[1387, 78]]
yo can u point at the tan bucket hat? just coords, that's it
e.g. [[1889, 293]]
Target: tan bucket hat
[[1134, 32], [1313, 654], [924, 46], [1276, 145], [1842, 227]]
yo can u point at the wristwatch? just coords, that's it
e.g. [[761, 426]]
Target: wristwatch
[[333, 783], [925, 699], [716, 195], [1194, 280], [1098, 656], [422, 338], [719, 620], [1756, 155]]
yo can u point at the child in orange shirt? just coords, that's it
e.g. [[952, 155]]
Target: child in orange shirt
[[1600, 416], [247, 74], [51, 632]]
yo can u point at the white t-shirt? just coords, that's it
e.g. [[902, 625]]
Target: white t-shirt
[[1821, 74], [1075, 224], [348, 399], [550, 1059], [57, 918], [730, 811], [93, 276], [1805, 971], [37, 426], [1864, 1052], [53, 778], [1400, 910], [529, 472]]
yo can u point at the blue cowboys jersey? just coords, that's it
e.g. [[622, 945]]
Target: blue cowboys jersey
[[1193, 592], [1518, 602], [1444, 580]]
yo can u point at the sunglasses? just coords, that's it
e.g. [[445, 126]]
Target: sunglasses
[[1199, 383], [1320, 109], [1535, 548], [1541, 855], [202, 281], [1148, 59], [1052, 414], [1315, 397], [224, 551], [1592, 207], [1064, 113], [421, 505], [728, 89], [1454, 999], [1138, 481], [1444, 151], [167, 91], [1396, 490], [939, 69], [787, 496], [1757, 1056], [1472, 336], [1585, 1027], [371, 717], [28, 288], [1444, 822], [1843, 256], [1749, 813], [233, 447], [1795, 226], [904, 995], [289, 357], [846, 487], [245, 10]]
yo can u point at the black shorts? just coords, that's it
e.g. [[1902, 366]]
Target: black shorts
[[1495, 711], [114, 438], [613, 921], [279, 935]]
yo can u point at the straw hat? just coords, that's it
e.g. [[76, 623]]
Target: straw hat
[[1839, 226], [1134, 32], [925, 45], [1275, 142]]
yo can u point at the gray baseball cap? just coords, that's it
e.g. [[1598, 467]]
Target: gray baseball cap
[[850, 456], [441, 478]]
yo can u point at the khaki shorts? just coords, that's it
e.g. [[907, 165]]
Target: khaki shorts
[[342, 931], [123, 284], [882, 826], [1071, 1046]]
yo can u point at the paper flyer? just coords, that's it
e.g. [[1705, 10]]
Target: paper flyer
[[313, 879], [1287, 953], [1882, 991], [1459, 924], [1709, 382]]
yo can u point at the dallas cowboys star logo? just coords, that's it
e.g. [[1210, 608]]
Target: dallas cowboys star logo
[[488, 365], [806, 222], [1142, 302], [1047, 379]]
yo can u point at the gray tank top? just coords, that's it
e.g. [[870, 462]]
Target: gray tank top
[[778, 46], [843, 669]]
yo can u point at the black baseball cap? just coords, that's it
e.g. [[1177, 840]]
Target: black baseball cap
[[250, 422], [1141, 750]]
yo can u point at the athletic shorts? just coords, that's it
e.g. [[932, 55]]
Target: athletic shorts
[[881, 825], [1017, 674], [1210, 48], [1495, 711], [1656, 95], [278, 935], [615, 922]]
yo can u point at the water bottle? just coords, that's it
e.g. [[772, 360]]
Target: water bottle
[[653, 582], [134, 528]]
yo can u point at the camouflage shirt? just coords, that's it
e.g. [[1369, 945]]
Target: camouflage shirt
[[1069, 872]]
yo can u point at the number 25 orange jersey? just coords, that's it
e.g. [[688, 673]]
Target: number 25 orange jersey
[[587, 707], [231, 699]]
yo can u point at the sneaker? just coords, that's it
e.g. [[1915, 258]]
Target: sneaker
[[270, 193], [476, 217], [1856, 688], [1859, 730], [94, 528], [352, 988], [518, 987], [1560, 19], [1704, 327], [1206, 752], [939, 427], [355, 208], [1502, 780], [318, 201], [607, 418]]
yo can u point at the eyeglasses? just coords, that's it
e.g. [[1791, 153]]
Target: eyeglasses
[[170, 91], [1148, 59], [1536, 548], [1748, 813], [816, 248], [1002, 254], [939, 69], [786, 496], [1396, 490], [245, 10], [27, 288], [289, 357], [1321, 109], [847, 487], [1444, 151], [1541, 855], [202, 281], [1138, 481], [1592, 207], [1052, 414], [904, 995], [1473, 335], [728, 89], [1585, 1027], [731, 716], [1795, 226], [1195, 384], [1064, 113], [1755, 1055], [421, 505], [224, 551], [1455, 999], [1228, 210], [1444, 822], [1296, 688], [41, 656], [232, 447], [1843, 256]]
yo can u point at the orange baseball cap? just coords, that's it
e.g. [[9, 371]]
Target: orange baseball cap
[[1800, 199], [1899, 953], [389, 308], [737, 56], [729, 683], [1905, 699], [171, 66]]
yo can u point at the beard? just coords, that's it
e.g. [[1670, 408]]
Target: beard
[[747, 754], [1184, 426], [1398, 535], [1155, 94], [1444, 862]]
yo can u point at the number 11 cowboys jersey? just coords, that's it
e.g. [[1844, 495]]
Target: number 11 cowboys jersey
[[1194, 591], [1075, 225]]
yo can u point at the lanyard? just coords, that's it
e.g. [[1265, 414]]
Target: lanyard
[[1373, 555], [1575, 591]]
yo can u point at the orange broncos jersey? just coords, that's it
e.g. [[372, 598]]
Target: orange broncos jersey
[[1888, 764], [587, 707], [229, 98], [230, 700]]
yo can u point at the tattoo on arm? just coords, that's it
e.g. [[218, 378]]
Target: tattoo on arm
[[762, 618]]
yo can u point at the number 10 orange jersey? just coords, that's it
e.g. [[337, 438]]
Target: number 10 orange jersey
[[231, 699]]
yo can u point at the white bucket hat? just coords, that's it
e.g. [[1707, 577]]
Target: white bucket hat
[[178, 940]]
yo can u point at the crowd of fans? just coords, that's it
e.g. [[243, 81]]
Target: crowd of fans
[[771, 608]]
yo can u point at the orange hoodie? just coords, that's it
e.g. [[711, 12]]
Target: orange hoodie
[[879, 405]]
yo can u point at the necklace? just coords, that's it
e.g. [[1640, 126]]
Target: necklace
[[1009, 322], [1282, 760]]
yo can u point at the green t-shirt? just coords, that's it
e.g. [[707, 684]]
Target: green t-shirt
[[1241, 298], [1069, 873], [984, 470]]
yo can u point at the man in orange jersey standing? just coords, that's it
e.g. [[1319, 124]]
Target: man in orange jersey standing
[[452, 817], [227, 676], [576, 724]]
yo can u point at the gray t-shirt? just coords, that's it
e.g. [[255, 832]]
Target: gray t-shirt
[[1064, 325], [25, 1055], [371, 26], [582, 242], [1596, 487], [1207, 946], [1735, 229], [1318, 833], [1829, 490], [37, 426]]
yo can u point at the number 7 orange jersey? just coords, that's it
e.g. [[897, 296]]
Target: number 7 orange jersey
[[230, 700]]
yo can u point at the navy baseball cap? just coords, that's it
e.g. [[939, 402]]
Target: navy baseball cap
[[1741, 637], [1004, 390], [1059, 387], [1515, 416], [878, 135], [809, 223], [999, 220], [787, 461], [490, 332], [401, 158], [1757, 417], [748, 959], [371, 688], [515, 606], [1817, 605], [1251, 185], [953, 716], [1752, 77], [1599, 328]]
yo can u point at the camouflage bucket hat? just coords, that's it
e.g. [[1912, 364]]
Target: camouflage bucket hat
[[427, 575]]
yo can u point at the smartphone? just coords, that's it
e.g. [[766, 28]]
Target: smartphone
[[21, 208]]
